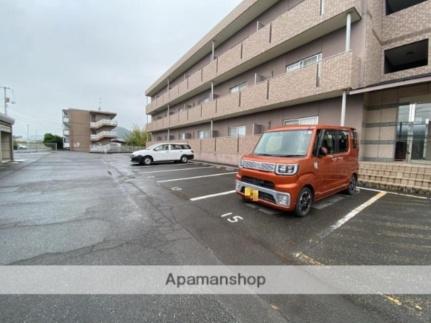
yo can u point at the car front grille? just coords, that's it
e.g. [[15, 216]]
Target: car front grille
[[266, 167]]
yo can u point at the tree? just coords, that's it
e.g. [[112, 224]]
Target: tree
[[137, 137], [49, 139]]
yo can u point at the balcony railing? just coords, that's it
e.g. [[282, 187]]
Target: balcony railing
[[103, 123], [103, 134], [296, 27], [65, 119], [66, 132], [325, 79]]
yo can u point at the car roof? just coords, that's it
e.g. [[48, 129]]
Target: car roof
[[303, 127]]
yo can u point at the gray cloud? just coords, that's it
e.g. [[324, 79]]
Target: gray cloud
[[68, 53]]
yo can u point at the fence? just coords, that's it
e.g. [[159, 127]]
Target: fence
[[114, 149], [31, 147]]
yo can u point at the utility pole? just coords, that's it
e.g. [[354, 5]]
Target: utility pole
[[5, 97]]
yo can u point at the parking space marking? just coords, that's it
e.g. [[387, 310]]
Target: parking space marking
[[395, 193], [193, 177], [199, 198], [174, 170], [352, 214]]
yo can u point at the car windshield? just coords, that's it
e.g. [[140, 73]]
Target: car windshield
[[290, 143]]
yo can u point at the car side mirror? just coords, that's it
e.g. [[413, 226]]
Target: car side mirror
[[323, 151]]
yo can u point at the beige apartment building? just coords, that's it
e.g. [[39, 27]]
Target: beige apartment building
[[269, 63], [86, 130], [6, 139]]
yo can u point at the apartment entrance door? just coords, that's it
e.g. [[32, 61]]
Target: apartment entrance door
[[414, 132]]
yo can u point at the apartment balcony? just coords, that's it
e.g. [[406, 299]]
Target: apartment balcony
[[66, 132], [103, 123], [103, 134], [66, 145], [302, 24], [327, 79], [66, 120]]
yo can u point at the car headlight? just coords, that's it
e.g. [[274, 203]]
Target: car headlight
[[286, 169], [241, 163]]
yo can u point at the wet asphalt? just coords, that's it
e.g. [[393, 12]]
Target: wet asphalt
[[68, 208]]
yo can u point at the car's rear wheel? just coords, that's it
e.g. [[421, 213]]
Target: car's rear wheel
[[184, 159], [304, 202], [353, 184], [147, 160]]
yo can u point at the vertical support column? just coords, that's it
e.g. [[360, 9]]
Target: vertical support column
[[212, 91], [348, 31], [343, 109], [212, 50], [211, 128]]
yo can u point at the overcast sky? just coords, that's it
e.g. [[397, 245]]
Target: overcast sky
[[69, 53]]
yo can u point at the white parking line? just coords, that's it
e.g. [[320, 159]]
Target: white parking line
[[352, 214], [194, 177], [174, 170], [395, 193], [211, 195]]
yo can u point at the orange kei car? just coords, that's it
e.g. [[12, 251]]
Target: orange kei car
[[294, 166]]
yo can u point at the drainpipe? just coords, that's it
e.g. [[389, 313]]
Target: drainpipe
[[348, 31], [169, 123], [343, 108]]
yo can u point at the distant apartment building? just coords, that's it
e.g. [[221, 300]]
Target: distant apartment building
[[6, 139], [84, 130], [269, 63]]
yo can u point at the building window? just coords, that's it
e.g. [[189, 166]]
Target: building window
[[238, 88], [236, 131], [398, 5], [203, 134], [304, 63], [406, 56], [302, 121]]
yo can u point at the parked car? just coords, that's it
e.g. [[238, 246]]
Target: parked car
[[294, 166], [162, 152]]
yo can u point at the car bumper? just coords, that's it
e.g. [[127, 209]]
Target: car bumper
[[135, 159], [273, 198]]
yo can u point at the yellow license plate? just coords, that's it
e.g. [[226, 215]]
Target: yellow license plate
[[251, 193]]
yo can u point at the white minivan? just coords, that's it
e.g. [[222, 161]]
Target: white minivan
[[163, 152]]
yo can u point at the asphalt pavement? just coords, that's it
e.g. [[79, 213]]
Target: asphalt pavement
[[66, 208]]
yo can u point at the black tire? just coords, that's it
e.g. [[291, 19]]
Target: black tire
[[353, 183], [184, 159], [147, 160], [304, 202]]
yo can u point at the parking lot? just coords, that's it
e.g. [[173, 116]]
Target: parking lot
[[189, 214]]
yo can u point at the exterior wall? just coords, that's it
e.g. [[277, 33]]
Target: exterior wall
[[6, 145], [283, 27], [79, 125], [388, 31], [312, 91], [380, 120]]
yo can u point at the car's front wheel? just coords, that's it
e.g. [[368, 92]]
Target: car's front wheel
[[184, 159], [304, 202]]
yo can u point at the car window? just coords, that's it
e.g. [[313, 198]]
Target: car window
[[342, 140], [328, 141], [161, 148], [186, 147], [176, 147]]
